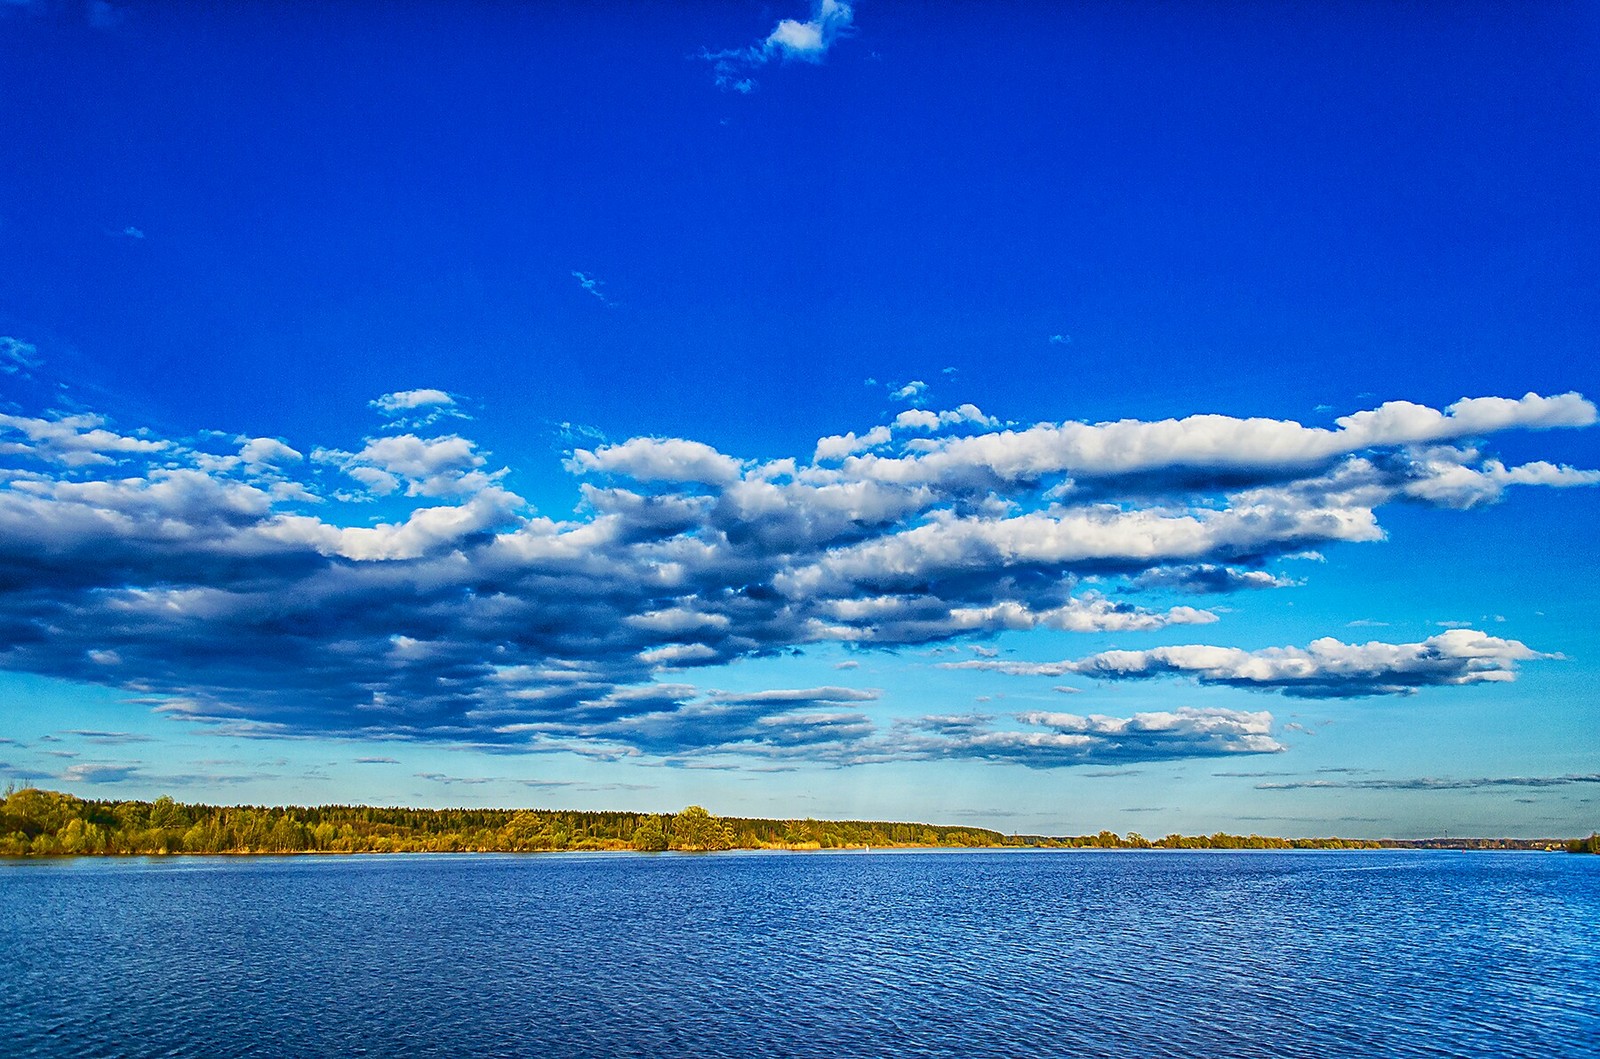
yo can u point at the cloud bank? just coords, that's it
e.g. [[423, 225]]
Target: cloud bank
[[242, 583]]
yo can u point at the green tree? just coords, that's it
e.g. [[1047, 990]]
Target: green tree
[[165, 814], [648, 837], [697, 830]]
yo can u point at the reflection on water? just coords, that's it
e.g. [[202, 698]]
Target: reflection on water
[[917, 953]]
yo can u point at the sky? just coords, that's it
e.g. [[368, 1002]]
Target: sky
[[1050, 417]]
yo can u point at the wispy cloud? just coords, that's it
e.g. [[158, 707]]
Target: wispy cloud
[[1429, 783], [96, 14], [790, 40], [107, 738], [18, 357], [592, 285], [103, 15]]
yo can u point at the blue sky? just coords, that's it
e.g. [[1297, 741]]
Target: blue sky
[[1051, 417]]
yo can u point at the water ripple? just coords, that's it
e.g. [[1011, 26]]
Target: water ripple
[[1403, 954]]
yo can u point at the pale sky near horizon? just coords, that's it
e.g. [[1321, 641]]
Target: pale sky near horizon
[[1050, 417]]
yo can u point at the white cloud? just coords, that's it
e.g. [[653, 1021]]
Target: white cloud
[[440, 466], [1444, 477], [406, 400], [417, 409], [1326, 668], [424, 531], [659, 460], [809, 40], [1054, 739], [790, 40], [99, 772], [840, 445], [265, 454], [922, 419], [678, 654], [1211, 442], [75, 441]]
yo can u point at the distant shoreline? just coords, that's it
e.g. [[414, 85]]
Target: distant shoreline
[[803, 850], [41, 823]]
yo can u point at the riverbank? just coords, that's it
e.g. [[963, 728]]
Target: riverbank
[[37, 822]]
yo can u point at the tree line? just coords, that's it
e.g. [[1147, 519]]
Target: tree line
[[42, 823]]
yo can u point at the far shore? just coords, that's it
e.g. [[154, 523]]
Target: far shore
[[1554, 846], [41, 823]]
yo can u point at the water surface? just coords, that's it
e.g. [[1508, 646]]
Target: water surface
[[959, 954]]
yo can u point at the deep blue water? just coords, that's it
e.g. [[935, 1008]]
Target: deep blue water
[[914, 953]]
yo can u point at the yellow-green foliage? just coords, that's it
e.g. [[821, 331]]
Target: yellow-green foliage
[[49, 822], [41, 822]]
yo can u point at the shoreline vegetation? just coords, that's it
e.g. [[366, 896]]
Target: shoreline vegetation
[[36, 822]]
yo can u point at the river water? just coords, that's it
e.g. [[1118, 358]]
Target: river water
[[918, 953]]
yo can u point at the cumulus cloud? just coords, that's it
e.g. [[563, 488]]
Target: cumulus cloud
[[438, 466], [224, 580], [791, 39], [267, 454], [659, 460], [1326, 668], [1216, 450], [911, 391], [837, 446], [74, 440], [1446, 477]]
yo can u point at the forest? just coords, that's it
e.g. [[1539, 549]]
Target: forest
[[43, 823]]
